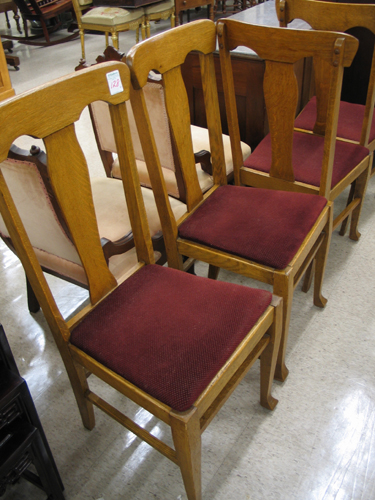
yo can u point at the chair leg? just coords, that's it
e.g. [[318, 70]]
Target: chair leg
[[344, 224], [115, 40], [32, 301], [16, 17], [82, 37], [186, 434], [321, 262], [269, 357], [7, 20], [359, 192], [283, 287], [173, 20], [310, 271], [78, 381], [148, 28], [45, 30], [106, 39], [25, 27], [213, 272]]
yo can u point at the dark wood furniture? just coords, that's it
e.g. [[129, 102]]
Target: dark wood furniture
[[248, 74], [185, 5], [47, 13], [22, 439], [6, 6], [11, 59]]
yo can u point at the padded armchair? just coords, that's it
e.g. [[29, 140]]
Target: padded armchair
[[107, 20], [290, 160], [140, 336], [271, 236], [356, 123]]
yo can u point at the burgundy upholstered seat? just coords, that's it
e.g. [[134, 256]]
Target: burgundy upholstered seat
[[200, 324], [308, 156], [350, 120], [278, 223]]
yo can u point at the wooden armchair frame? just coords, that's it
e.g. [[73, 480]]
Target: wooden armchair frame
[[153, 55], [63, 100]]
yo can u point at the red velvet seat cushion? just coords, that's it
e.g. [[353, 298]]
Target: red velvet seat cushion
[[169, 332], [261, 225], [308, 156], [350, 120]]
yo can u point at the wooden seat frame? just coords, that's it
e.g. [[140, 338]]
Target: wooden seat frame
[[63, 100]]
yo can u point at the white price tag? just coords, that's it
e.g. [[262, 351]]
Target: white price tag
[[114, 82]]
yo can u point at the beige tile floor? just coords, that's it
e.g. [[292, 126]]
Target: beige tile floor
[[319, 443]]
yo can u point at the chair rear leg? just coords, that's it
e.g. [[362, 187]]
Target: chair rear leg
[[283, 287], [359, 192], [213, 272], [269, 357], [45, 31], [16, 17], [114, 39], [321, 262], [344, 224], [82, 36], [7, 20], [308, 277], [32, 301], [186, 434]]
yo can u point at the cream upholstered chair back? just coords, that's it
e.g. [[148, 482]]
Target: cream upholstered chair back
[[46, 227], [155, 104], [49, 238], [155, 101]]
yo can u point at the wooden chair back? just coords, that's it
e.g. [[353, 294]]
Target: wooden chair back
[[281, 49], [68, 174], [333, 16], [143, 58]]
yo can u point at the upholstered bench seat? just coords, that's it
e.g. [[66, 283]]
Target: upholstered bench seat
[[159, 7], [279, 223], [111, 16], [308, 150], [168, 332], [350, 120]]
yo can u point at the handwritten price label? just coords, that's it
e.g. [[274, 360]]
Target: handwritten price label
[[114, 82]]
